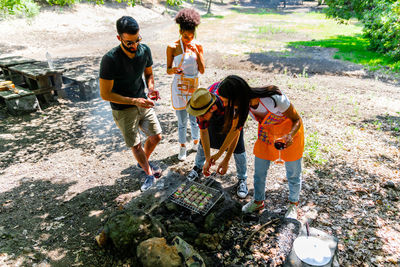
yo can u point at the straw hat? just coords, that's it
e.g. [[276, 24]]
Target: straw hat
[[200, 102]]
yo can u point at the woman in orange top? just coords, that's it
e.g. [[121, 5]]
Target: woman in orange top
[[279, 127]]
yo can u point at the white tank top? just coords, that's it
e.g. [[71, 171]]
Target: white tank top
[[189, 64], [190, 70]]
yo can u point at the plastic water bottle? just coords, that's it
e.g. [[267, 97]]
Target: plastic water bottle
[[49, 60]]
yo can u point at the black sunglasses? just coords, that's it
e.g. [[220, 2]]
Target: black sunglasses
[[130, 43]]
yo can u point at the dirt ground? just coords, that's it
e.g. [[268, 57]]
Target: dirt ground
[[64, 170]]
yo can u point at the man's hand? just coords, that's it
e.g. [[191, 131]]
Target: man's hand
[[143, 103], [154, 95], [206, 168], [223, 167], [215, 157]]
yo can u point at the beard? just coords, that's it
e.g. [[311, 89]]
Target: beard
[[129, 49]]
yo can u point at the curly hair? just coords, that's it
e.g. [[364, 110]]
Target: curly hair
[[188, 19]]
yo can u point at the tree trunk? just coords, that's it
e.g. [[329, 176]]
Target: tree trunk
[[209, 6]]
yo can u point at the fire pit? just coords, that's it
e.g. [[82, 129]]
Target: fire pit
[[196, 197]]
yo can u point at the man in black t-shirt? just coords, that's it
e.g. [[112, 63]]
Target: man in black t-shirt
[[121, 83]]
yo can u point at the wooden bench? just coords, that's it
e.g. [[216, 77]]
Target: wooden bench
[[20, 100], [17, 93]]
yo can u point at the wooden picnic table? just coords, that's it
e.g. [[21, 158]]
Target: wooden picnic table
[[7, 62], [39, 78], [16, 60], [32, 77]]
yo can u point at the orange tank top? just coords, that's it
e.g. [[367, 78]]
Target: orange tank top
[[272, 127]]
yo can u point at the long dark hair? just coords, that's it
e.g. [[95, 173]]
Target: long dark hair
[[239, 94]]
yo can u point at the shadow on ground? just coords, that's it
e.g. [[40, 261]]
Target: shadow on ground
[[84, 125]]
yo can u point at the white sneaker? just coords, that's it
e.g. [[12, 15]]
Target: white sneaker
[[195, 146], [253, 207], [291, 212], [182, 153], [194, 173], [242, 190]]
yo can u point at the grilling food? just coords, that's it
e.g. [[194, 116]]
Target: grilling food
[[193, 196]]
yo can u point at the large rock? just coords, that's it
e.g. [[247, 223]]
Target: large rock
[[183, 228], [23, 105], [156, 252], [127, 229], [224, 210], [191, 257]]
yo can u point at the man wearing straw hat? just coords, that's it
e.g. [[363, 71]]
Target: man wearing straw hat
[[209, 111]]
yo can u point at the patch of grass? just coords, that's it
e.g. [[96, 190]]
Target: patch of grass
[[313, 24], [353, 49], [270, 29], [322, 32], [256, 11], [312, 152], [207, 16]]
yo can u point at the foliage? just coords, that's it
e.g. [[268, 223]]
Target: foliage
[[346, 9], [174, 2], [30, 8], [61, 2], [382, 28], [380, 19], [26, 8], [353, 49]]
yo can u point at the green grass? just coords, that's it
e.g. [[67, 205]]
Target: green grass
[[314, 25], [324, 32], [312, 150], [269, 29], [208, 16], [353, 49], [319, 31], [255, 11]]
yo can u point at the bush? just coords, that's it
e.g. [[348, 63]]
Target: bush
[[61, 2], [382, 28], [24, 8]]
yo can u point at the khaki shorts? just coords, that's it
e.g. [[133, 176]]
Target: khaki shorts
[[131, 119]]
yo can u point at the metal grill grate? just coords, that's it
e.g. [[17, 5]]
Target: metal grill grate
[[196, 197]]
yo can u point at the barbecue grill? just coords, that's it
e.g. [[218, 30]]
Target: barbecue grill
[[196, 197]]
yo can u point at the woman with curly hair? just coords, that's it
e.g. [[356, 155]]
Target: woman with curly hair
[[185, 61]]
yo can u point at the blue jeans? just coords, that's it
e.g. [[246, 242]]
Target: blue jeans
[[293, 175], [182, 126], [240, 161]]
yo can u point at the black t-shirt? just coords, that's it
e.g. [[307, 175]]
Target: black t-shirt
[[126, 72]]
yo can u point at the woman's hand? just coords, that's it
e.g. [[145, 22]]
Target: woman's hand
[[194, 47], [288, 139], [175, 70]]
